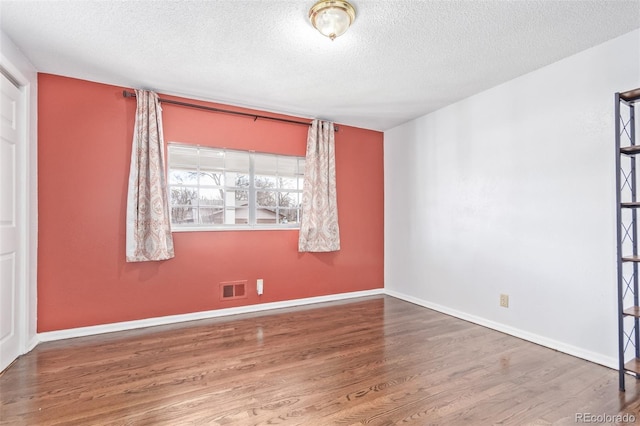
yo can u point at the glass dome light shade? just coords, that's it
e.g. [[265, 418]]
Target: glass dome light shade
[[332, 17]]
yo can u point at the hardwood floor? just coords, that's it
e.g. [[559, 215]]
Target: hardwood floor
[[378, 360]]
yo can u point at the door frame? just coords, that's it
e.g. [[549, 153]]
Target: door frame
[[17, 67]]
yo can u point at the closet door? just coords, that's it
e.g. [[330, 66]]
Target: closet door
[[12, 218]]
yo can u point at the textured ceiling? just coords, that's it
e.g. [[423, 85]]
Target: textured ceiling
[[400, 59]]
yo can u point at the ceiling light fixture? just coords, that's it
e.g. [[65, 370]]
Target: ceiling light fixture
[[332, 17]]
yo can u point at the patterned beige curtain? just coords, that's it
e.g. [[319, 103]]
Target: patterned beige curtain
[[319, 231], [148, 218]]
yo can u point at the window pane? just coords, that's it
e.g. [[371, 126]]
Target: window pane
[[240, 180], [211, 159], [212, 178], [265, 164], [289, 199], [211, 216], [211, 197], [237, 215], [288, 183], [237, 161], [289, 216], [266, 215], [242, 198], [266, 181], [183, 215], [184, 195], [181, 157], [266, 198], [184, 177], [287, 165]]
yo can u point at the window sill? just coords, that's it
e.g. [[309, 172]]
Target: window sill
[[233, 228]]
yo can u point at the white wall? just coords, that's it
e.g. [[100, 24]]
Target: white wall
[[19, 67], [513, 191]]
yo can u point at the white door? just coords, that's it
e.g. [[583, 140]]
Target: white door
[[11, 198]]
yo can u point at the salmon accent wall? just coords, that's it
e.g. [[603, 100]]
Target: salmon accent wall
[[85, 131]]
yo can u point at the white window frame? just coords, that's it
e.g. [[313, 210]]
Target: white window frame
[[252, 190]]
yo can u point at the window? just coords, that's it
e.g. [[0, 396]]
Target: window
[[213, 188]]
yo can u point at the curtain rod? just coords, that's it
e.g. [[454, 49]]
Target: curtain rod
[[225, 111]]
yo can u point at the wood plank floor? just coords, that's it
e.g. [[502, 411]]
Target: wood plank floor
[[378, 361]]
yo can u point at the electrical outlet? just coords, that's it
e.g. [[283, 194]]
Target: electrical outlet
[[504, 300], [260, 286]]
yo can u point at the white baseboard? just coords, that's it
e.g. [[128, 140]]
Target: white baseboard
[[32, 343], [525, 335], [150, 322]]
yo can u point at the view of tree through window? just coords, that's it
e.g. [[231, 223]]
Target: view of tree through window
[[218, 188]]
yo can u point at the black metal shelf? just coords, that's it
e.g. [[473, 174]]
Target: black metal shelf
[[631, 95], [630, 150], [633, 311], [633, 366], [628, 228]]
